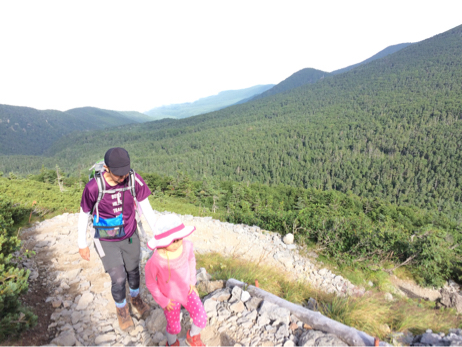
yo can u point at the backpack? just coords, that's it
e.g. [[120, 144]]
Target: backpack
[[101, 229], [97, 167]]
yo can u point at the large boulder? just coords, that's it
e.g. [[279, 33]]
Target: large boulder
[[451, 299], [275, 312], [318, 338], [156, 322], [66, 338]]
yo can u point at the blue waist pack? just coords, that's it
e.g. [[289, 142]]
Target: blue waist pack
[[111, 228]]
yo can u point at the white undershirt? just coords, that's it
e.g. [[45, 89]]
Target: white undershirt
[[145, 209]]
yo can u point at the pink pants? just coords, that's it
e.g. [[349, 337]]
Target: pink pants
[[196, 311]]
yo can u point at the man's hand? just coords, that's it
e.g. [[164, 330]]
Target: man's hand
[[191, 288], [170, 305], [85, 253]]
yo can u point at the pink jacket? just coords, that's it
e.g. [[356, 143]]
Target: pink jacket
[[182, 275]]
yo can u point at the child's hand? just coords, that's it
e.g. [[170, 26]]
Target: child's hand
[[191, 288], [170, 305]]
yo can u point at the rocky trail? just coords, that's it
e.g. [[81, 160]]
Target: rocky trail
[[83, 311]]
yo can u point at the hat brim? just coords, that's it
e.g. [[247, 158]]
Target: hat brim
[[120, 171], [167, 241]]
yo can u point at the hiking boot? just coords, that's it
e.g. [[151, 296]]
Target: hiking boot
[[141, 306], [125, 321], [177, 343], [194, 340]]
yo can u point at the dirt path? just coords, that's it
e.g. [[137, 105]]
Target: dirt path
[[79, 291]]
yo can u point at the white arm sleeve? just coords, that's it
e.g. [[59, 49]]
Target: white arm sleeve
[[148, 213], [82, 228]]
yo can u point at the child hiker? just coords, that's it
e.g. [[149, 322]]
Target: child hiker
[[171, 278]]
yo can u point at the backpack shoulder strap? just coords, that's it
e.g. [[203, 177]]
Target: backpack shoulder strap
[[132, 184], [101, 191]]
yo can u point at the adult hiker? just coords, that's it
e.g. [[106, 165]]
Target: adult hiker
[[110, 197]]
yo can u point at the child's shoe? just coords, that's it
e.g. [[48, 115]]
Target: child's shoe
[[177, 343], [194, 340]]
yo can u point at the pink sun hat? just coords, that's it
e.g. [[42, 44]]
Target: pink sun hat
[[168, 228]]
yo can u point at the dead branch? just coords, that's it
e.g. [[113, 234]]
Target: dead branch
[[407, 261]]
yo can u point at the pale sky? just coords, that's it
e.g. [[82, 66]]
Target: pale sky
[[137, 55]]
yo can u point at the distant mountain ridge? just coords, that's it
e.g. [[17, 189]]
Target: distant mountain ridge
[[383, 53], [109, 115], [236, 97], [310, 75], [28, 131], [208, 104], [299, 78]]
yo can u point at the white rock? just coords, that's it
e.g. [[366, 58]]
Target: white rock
[[105, 339], [65, 339], [33, 275], [288, 239], [388, 297], [139, 329], [127, 340], [72, 274], [84, 301], [75, 316], [202, 275], [236, 293], [56, 303], [41, 244], [84, 286], [210, 306], [156, 321], [107, 328], [55, 315], [158, 336], [245, 296]]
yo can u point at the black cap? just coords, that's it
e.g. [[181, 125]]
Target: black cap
[[118, 161]]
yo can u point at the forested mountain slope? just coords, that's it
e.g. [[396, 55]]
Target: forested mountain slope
[[389, 129], [300, 78], [27, 131], [207, 104], [383, 53], [309, 75]]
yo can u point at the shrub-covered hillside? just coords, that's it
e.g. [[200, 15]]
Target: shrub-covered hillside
[[351, 230]]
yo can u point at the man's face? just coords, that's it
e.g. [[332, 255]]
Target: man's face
[[117, 179]]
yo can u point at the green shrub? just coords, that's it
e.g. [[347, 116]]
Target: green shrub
[[354, 230], [13, 281], [41, 198]]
